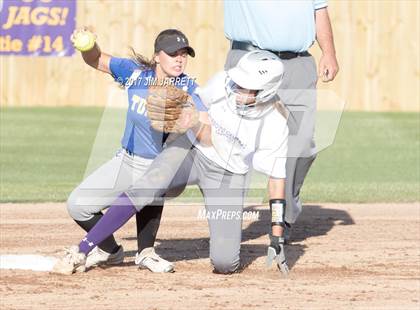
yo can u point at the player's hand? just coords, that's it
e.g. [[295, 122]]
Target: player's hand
[[276, 253], [328, 67]]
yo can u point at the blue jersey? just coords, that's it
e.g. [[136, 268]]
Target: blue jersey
[[139, 137]]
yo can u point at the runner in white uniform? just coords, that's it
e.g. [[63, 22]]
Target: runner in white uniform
[[247, 128]]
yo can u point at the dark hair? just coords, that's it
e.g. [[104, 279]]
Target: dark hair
[[142, 61]]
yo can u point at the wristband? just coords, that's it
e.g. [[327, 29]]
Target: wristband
[[277, 211]]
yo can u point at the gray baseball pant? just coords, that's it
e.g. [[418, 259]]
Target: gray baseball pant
[[180, 165], [105, 184], [298, 93]]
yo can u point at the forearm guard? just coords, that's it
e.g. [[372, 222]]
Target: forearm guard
[[277, 211]]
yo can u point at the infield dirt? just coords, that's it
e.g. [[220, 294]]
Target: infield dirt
[[342, 257]]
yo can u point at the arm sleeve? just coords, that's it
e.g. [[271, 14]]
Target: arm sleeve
[[320, 4], [271, 154], [122, 69]]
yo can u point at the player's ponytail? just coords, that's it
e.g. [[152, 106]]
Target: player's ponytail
[[142, 61]]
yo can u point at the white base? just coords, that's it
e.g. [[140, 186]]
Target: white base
[[27, 262]]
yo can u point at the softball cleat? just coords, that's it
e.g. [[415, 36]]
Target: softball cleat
[[98, 257], [148, 259]]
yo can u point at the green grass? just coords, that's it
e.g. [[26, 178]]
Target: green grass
[[375, 158], [45, 153]]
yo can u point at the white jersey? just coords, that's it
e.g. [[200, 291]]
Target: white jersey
[[240, 142]]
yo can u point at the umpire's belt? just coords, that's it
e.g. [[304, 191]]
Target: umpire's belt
[[245, 46]]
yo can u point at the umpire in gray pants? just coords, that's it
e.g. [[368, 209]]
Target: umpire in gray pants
[[288, 29]]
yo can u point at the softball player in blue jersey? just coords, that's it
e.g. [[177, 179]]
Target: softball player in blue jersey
[[140, 145]]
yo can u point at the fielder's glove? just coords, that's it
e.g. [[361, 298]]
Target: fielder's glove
[[170, 109]]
